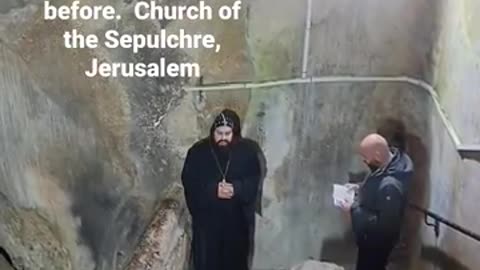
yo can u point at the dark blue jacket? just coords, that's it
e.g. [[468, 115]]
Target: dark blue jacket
[[379, 208]]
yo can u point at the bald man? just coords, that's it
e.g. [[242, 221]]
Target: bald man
[[378, 210]]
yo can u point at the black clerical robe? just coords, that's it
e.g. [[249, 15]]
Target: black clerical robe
[[222, 228]]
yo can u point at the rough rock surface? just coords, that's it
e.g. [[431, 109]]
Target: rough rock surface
[[4, 265], [85, 161]]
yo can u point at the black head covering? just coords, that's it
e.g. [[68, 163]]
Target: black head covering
[[223, 120], [237, 129], [230, 118]]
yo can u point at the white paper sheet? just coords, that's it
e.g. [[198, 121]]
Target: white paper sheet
[[342, 193]]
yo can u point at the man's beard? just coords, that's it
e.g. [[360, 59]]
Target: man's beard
[[373, 167], [223, 145]]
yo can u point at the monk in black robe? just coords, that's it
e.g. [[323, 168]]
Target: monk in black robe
[[221, 177]]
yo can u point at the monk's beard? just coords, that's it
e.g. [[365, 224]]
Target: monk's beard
[[223, 145], [226, 146]]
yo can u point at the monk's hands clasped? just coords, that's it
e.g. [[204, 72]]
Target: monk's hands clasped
[[225, 190]]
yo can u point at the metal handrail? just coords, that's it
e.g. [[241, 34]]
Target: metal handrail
[[438, 219]]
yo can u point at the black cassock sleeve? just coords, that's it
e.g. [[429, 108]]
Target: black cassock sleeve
[[199, 193], [246, 188]]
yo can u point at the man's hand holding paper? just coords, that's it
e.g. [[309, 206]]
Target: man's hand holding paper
[[344, 195]]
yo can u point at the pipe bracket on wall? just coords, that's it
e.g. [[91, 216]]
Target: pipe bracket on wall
[[435, 225], [469, 152]]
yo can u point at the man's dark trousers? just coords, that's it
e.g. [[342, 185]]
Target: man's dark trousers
[[374, 258]]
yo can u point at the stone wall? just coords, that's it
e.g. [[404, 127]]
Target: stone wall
[[85, 161], [454, 182]]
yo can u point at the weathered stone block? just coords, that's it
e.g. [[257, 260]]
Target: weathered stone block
[[166, 242], [316, 265]]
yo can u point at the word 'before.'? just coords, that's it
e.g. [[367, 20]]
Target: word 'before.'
[[77, 12]]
